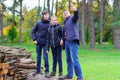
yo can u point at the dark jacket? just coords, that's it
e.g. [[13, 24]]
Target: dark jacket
[[39, 31], [54, 35], [71, 27]]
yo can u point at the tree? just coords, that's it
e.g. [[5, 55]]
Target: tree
[[44, 4], [116, 23], [91, 24], [83, 24], [52, 7], [101, 19], [48, 5], [20, 29], [2, 9], [12, 34], [56, 7]]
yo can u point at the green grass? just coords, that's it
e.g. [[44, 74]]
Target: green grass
[[102, 63]]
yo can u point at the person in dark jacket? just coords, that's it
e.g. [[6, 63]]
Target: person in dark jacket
[[71, 43], [39, 33], [55, 41]]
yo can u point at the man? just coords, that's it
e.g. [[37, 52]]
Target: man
[[39, 36], [71, 43]]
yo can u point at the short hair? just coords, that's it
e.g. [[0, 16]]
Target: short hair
[[65, 10], [45, 12], [53, 17]]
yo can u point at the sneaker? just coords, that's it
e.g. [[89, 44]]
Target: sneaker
[[64, 77], [46, 74], [35, 73], [51, 74], [60, 73], [79, 79]]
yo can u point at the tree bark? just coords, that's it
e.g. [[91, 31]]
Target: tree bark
[[116, 29], [20, 30], [91, 24], [101, 19], [83, 24]]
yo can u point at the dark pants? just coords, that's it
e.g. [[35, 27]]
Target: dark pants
[[39, 48], [57, 57]]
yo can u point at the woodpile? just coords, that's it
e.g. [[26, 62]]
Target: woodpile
[[15, 63]]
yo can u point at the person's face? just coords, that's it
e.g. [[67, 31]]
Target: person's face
[[66, 14], [46, 16], [53, 21]]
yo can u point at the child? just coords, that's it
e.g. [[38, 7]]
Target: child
[[54, 40]]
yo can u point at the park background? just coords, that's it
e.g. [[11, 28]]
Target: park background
[[99, 27]]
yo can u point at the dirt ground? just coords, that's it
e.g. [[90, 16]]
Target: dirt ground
[[41, 77]]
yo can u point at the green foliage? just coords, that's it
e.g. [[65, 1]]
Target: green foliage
[[116, 14], [12, 34]]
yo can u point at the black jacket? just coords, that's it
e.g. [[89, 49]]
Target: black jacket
[[39, 31], [55, 34]]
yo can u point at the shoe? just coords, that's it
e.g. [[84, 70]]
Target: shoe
[[60, 73], [64, 77], [51, 74], [35, 73], [46, 74], [79, 79]]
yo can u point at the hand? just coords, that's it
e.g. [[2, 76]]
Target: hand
[[47, 51], [35, 42], [61, 42], [73, 8]]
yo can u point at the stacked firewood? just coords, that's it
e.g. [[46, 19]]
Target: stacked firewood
[[15, 63]]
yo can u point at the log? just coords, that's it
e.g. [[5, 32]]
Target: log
[[5, 66], [26, 61], [5, 71], [19, 55], [1, 77], [27, 66], [2, 57], [12, 62]]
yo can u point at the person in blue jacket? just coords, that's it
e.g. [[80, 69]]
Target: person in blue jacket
[[39, 36], [71, 43], [55, 41]]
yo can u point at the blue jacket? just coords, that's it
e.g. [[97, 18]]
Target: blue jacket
[[39, 31], [71, 27]]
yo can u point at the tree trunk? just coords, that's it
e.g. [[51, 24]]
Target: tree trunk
[[1, 21], [101, 19], [20, 30], [52, 7], [83, 24], [69, 4], [38, 11], [48, 5], [44, 4], [116, 29], [91, 24], [117, 38], [56, 7]]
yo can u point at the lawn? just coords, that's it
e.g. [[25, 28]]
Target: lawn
[[102, 63]]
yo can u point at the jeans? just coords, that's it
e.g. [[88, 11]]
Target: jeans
[[57, 57], [39, 48], [71, 48]]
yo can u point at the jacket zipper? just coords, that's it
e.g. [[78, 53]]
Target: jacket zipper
[[53, 37]]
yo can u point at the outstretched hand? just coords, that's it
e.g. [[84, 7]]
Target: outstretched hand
[[73, 8]]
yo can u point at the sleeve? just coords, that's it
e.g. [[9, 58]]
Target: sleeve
[[34, 31], [48, 40], [60, 30], [75, 17]]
